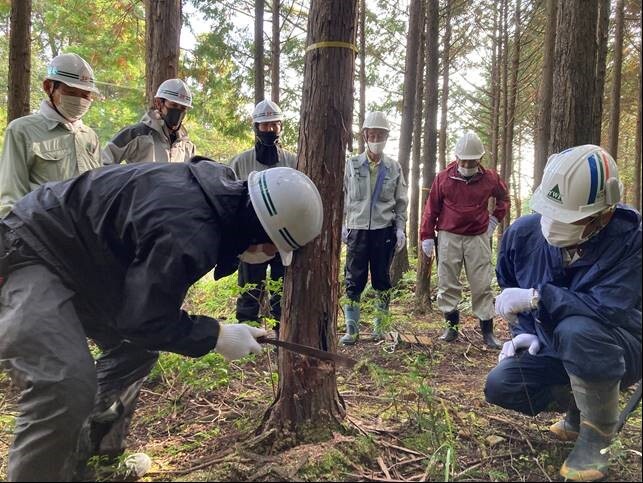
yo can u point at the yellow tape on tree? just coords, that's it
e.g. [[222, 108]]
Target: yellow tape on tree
[[332, 43]]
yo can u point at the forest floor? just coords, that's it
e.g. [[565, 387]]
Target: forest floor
[[413, 413]]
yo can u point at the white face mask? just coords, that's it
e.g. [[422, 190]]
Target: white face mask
[[255, 258], [376, 148], [72, 107], [562, 234], [467, 172]]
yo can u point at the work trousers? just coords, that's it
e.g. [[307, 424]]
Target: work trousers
[[248, 303], [474, 252], [70, 406]]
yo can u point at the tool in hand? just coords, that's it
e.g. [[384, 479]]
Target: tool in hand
[[339, 359]]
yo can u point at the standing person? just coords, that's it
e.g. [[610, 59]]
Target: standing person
[[72, 269], [160, 135], [571, 280], [53, 144], [267, 123], [375, 200], [457, 209]]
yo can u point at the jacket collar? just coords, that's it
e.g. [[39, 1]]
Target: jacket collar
[[53, 119], [152, 118], [452, 171]]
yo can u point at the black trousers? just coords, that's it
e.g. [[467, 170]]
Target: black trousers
[[369, 248], [248, 302]]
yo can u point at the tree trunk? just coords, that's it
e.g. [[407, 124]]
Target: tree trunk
[[637, 157], [362, 72], [260, 92], [574, 68], [308, 406], [162, 35], [275, 53], [602, 31], [19, 60], [444, 99], [615, 106], [423, 286], [541, 142], [505, 169], [401, 261], [496, 46]]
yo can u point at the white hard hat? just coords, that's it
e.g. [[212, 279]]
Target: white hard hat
[[175, 90], [577, 183], [267, 111], [288, 206], [72, 70], [375, 120], [469, 146]]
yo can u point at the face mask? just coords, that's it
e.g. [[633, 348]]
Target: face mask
[[562, 234], [174, 117], [73, 108], [376, 148], [467, 172], [267, 138], [255, 258]]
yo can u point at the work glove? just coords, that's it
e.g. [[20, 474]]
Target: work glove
[[522, 341], [401, 240], [514, 301], [238, 340], [427, 247], [344, 234], [491, 227]]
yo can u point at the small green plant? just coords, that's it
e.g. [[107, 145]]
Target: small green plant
[[205, 373]]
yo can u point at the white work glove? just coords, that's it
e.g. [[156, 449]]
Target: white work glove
[[491, 227], [514, 301], [522, 341], [401, 240], [427, 247], [238, 340], [344, 234]]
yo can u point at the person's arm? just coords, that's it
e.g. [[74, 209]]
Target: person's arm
[[401, 201], [14, 170], [118, 148], [432, 209], [501, 195]]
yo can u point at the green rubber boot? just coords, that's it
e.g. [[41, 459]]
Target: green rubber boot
[[351, 313], [381, 314]]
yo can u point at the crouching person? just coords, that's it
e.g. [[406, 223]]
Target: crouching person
[[110, 256], [571, 279]]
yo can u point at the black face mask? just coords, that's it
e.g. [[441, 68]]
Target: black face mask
[[266, 148], [174, 117], [267, 138]]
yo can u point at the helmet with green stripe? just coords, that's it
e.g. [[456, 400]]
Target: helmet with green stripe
[[72, 70], [288, 206], [577, 183]]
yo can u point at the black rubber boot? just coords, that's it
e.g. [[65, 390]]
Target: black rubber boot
[[486, 326], [453, 321]]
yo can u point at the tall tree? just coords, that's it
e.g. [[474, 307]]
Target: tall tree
[[602, 31], [496, 62], [637, 157], [541, 141], [259, 63], [444, 96], [615, 106], [19, 59], [275, 52], [423, 286], [574, 69], [362, 72], [307, 398], [162, 35]]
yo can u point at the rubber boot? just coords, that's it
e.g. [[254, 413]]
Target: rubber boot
[[486, 326], [598, 405], [567, 429], [351, 313], [381, 314], [453, 321]]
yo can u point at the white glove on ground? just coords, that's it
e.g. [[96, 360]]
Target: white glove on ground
[[238, 340], [513, 301], [401, 240], [427, 247], [344, 234], [491, 227], [522, 341]]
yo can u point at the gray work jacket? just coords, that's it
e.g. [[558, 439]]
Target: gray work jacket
[[246, 162]]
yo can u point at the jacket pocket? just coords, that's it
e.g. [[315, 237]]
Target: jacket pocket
[[49, 162], [388, 188], [357, 188]]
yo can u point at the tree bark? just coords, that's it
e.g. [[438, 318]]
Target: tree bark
[[615, 106], [541, 142], [162, 35], [444, 99], [423, 286], [362, 73], [308, 406], [19, 60], [496, 46], [260, 91], [574, 69], [602, 31], [637, 156], [275, 52], [505, 170]]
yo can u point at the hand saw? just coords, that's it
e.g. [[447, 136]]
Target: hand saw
[[305, 350]]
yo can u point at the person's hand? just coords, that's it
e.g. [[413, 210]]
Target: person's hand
[[238, 340], [427, 247], [513, 301], [344, 234], [491, 227], [522, 341], [401, 240]]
